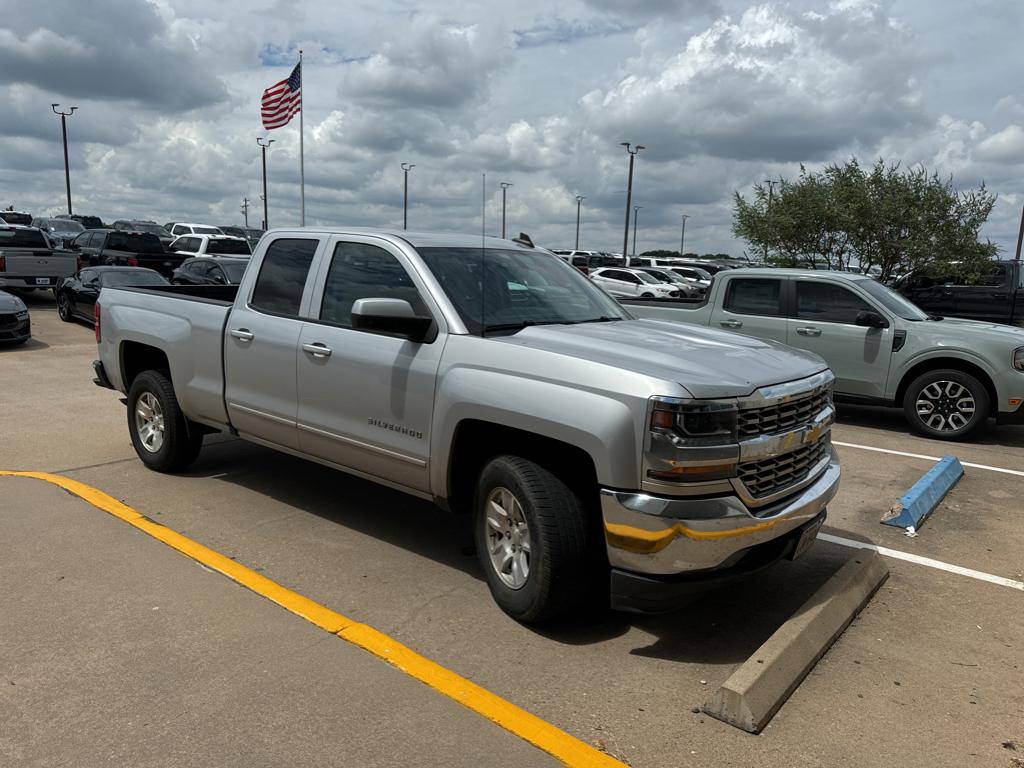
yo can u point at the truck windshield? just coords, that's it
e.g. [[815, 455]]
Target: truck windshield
[[135, 242], [22, 238], [893, 301], [495, 289]]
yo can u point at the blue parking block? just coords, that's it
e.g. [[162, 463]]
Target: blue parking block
[[921, 500]]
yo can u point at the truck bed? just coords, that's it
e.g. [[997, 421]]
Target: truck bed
[[213, 294]]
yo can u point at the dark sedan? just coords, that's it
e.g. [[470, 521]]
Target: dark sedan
[[77, 294], [15, 326], [205, 270]]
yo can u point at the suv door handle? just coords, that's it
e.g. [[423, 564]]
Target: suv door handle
[[808, 331], [317, 349], [242, 334], [731, 323]]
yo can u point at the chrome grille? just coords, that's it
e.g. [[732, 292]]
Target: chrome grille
[[773, 419], [767, 476]]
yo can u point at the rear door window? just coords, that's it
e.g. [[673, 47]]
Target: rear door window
[[282, 276], [754, 296], [828, 303]]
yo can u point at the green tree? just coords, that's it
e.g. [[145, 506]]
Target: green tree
[[898, 219]]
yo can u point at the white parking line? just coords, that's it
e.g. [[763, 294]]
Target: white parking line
[[929, 458], [926, 561]]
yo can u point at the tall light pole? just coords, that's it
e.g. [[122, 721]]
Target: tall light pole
[[504, 186], [64, 132], [579, 199], [636, 208], [629, 194], [406, 167], [266, 223], [682, 237]]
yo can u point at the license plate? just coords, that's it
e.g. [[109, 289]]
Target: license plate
[[42, 281], [806, 539]]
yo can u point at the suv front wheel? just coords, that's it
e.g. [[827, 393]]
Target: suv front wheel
[[946, 405]]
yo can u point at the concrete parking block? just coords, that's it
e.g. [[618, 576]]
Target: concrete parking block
[[756, 691], [925, 495]]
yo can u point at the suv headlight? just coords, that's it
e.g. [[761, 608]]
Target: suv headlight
[[21, 315], [690, 441], [1018, 358]]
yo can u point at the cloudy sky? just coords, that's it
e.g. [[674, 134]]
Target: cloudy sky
[[538, 94]]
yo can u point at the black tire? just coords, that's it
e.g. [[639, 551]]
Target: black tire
[[946, 391], [181, 439], [559, 561], [64, 307], [647, 295]]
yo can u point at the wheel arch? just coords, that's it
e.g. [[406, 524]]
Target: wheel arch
[[136, 357], [948, 363]]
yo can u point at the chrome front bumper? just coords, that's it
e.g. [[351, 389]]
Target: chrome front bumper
[[673, 536]]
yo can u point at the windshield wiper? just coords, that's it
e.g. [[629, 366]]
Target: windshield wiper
[[601, 319], [520, 325]]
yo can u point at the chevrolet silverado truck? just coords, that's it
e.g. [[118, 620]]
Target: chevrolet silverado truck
[[598, 454], [949, 375], [27, 261]]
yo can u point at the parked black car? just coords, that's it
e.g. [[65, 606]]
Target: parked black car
[[251, 234], [205, 270], [111, 247], [89, 222], [144, 225], [996, 296], [77, 294], [15, 324]]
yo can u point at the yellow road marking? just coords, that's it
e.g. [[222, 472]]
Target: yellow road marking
[[540, 733]]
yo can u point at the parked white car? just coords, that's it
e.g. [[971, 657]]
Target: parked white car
[[211, 245], [688, 289], [185, 228], [621, 281]]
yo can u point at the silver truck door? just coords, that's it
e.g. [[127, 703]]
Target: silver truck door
[[823, 322], [261, 343], [366, 399], [752, 306]]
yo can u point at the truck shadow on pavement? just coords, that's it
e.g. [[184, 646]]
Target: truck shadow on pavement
[[722, 626], [891, 420]]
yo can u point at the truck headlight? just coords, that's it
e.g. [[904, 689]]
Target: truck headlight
[[690, 441], [1018, 358]]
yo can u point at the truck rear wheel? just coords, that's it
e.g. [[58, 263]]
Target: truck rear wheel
[[531, 539], [164, 439], [946, 405]]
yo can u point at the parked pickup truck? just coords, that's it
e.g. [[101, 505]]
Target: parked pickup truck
[[28, 262], [117, 248], [997, 296], [949, 375], [591, 448]]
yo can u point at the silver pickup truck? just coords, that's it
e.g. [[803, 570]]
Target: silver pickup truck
[[948, 375], [28, 262], [596, 453]]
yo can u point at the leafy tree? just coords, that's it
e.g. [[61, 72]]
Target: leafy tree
[[897, 219]]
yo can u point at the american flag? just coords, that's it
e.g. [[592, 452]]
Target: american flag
[[283, 100]]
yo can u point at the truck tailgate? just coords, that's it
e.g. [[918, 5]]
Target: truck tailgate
[[23, 263]]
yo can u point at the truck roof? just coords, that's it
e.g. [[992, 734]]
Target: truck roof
[[792, 272], [416, 239]]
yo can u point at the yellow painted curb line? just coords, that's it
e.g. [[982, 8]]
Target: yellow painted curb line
[[540, 733]]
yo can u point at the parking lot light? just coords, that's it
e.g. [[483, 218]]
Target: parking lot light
[[64, 133]]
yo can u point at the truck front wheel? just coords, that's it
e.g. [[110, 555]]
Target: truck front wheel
[[531, 539], [164, 439], [946, 405]]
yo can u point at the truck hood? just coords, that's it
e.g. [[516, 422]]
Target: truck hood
[[707, 362], [1009, 333]]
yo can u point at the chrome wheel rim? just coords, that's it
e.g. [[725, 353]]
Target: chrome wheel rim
[[508, 538], [945, 406], [149, 422], [63, 306]]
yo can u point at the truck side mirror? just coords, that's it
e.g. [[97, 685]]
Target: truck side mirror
[[394, 317], [871, 320]]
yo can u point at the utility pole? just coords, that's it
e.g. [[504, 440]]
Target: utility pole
[[244, 208], [579, 199], [64, 132], [629, 195], [406, 167], [636, 208], [504, 186], [771, 190], [682, 237], [259, 141]]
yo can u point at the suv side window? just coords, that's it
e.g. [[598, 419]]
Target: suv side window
[[282, 276], [362, 271], [754, 296], [177, 229], [828, 303]]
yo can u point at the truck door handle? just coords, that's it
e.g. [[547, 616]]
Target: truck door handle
[[242, 334], [807, 331], [731, 323], [317, 349]]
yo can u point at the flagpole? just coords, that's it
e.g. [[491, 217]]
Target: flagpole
[[302, 159]]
